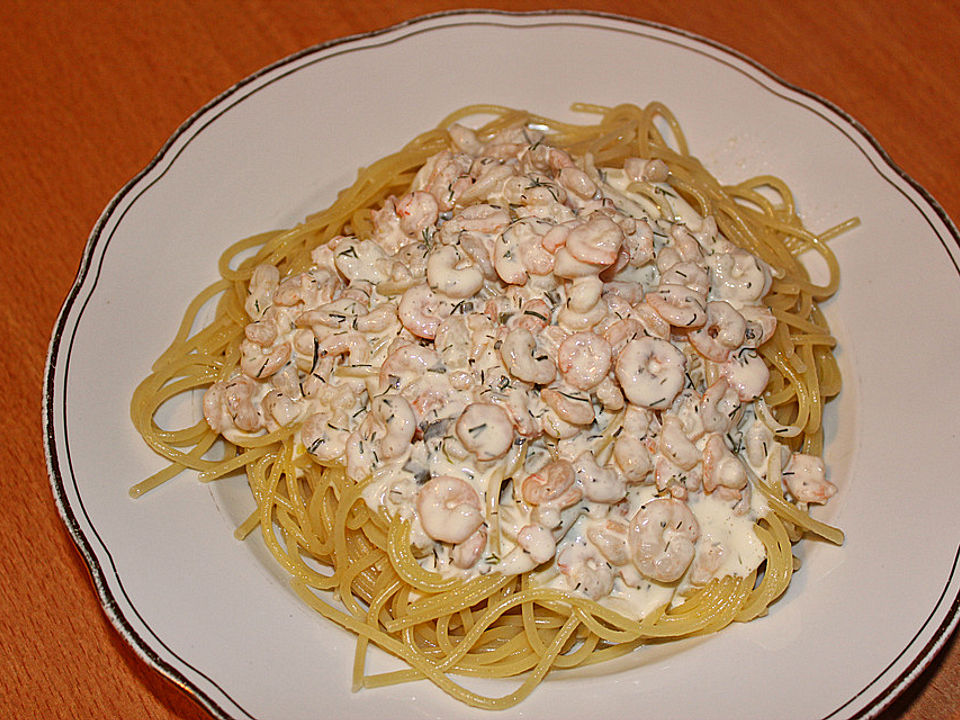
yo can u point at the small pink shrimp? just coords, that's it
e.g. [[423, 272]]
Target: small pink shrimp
[[651, 372], [584, 359], [632, 457], [228, 405], [485, 430], [678, 305], [406, 361], [760, 324], [449, 509], [259, 363], [721, 468], [747, 373], [537, 542], [646, 170], [417, 211], [719, 406], [610, 538], [688, 274], [421, 310], [675, 445], [586, 570], [551, 484], [805, 478], [596, 242], [466, 554], [573, 409], [722, 333], [663, 537]]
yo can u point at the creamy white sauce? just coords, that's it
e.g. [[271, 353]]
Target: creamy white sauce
[[520, 314]]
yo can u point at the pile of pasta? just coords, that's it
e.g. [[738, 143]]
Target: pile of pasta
[[355, 565]]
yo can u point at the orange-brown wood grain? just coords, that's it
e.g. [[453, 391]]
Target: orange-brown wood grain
[[90, 92]]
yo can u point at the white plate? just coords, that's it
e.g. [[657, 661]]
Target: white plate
[[216, 616]]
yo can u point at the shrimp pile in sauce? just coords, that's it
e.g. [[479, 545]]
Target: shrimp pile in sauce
[[541, 364]]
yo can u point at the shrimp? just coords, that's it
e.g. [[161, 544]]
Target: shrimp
[[805, 478], [747, 373], [398, 418], [584, 359], [447, 274], [555, 238], [553, 484], [360, 260], [449, 509], [576, 321], [263, 283], [532, 190], [482, 219], [535, 316], [485, 430], [324, 438], [362, 446], [465, 554], [586, 570], [258, 362], [453, 342], [686, 244], [662, 539], [378, 319], [759, 443], [417, 211], [595, 242], [407, 361], [707, 561], [517, 406], [279, 409], [570, 408], [687, 412], [651, 321], [577, 182], [633, 458], [584, 294], [619, 332], [609, 394], [719, 406], [678, 305], [352, 344], [676, 480], [688, 274], [651, 372], [263, 332], [228, 405], [541, 157], [675, 445], [723, 332], [520, 357], [610, 538], [508, 260], [721, 468], [490, 177], [739, 277], [538, 542], [421, 311], [445, 176], [465, 139], [646, 170], [600, 485], [760, 324], [534, 258], [640, 244]]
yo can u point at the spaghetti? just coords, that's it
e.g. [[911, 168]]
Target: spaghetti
[[469, 396]]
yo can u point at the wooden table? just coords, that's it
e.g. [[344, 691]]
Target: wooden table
[[90, 92]]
